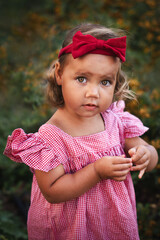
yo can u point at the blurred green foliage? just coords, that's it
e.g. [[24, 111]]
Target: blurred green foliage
[[11, 226], [30, 37]]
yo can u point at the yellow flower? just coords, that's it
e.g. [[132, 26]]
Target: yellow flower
[[159, 180], [155, 94], [131, 12], [134, 83], [150, 36], [151, 3], [43, 110], [147, 24], [57, 52], [25, 89], [144, 112], [158, 166], [158, 38], [156, 144], [120, 21], [147, 49], [3, 53], [140, 92]]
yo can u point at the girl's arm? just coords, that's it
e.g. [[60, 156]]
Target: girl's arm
[[144, 156], [56, 186]]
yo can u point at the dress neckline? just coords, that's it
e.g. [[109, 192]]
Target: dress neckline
[[83, 136]]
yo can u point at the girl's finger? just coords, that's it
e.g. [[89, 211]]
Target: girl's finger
[[122, 167], [121, 173], [141, 160], [121, 160], [122, 178], [139, 154], [132, 151], [140, 175], [140, 166]]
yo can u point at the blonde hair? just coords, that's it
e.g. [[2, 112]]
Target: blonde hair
[[54, 91]]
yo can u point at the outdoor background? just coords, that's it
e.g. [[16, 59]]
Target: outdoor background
[[31, 33]]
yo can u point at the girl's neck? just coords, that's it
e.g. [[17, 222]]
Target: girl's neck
[[77, 126]]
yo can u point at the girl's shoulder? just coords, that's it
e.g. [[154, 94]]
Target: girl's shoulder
[[131, 125], [116, 112], [37, 150], [118, 108], [47, 131]]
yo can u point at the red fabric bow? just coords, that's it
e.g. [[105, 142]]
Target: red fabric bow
[[83, 44]]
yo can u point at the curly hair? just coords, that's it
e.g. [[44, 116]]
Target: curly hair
[[54, 91]]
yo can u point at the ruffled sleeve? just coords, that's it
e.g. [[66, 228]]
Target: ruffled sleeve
[[32, 150], [132, 126]]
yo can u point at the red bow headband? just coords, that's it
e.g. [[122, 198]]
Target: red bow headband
[[83, 44]]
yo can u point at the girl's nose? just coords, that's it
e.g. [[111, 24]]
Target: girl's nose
[[92, 91]]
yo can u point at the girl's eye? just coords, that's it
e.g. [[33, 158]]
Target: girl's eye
[[105, 82], [81, 79]]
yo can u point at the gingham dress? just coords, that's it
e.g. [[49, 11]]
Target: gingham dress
[[108, 210]]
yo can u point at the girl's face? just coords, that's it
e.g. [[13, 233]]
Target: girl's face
[[88, 83]]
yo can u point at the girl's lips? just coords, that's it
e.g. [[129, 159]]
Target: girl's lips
[[90, 107]]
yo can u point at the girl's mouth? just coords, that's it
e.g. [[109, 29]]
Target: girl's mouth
[[90, 106]]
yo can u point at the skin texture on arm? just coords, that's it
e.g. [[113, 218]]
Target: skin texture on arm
[[143, 155], [56, 186]]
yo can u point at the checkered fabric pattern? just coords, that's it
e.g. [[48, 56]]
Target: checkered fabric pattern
[[105, 212]]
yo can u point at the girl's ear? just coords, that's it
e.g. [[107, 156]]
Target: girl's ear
[[58, 73]]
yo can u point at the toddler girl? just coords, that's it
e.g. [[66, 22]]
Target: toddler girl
[[82, 157]]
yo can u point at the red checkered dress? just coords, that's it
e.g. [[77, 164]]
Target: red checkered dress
[[105, 212]]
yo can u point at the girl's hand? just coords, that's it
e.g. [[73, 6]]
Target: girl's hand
[[140, 156], [114, 167]]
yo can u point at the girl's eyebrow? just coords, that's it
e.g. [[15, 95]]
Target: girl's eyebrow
[[83, 73], [101, 76]]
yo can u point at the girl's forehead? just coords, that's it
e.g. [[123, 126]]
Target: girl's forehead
[[92, 58], [94, 62]]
